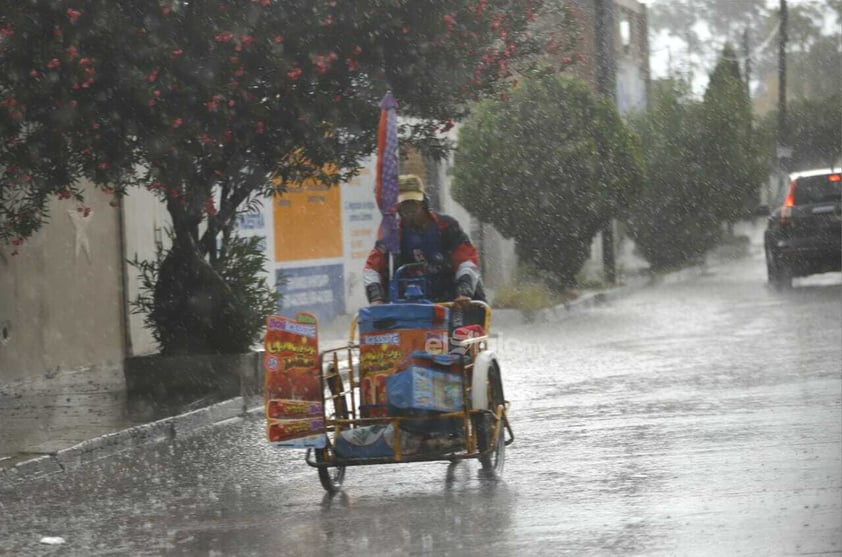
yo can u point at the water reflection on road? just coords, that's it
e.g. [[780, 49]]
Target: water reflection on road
[[700, 418]]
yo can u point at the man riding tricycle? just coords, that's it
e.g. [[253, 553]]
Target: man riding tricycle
[[416, 380]]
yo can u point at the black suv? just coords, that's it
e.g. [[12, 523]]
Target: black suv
[[804, 235]]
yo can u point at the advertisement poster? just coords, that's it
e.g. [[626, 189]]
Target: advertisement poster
[[292, 386], [317, 289], [307, 222]]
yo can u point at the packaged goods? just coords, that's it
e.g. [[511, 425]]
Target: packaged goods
[[422, 388], [285, 430], [286, 409], [388, 333], [292, 386], [374, 441]]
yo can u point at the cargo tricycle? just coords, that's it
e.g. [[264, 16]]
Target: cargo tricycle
[[416, 382]]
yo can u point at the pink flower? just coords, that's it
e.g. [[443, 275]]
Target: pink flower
[[177, 52], [72, 52], [73, 15], [258, 128], [294, 74], [53, 64], [165, 10], [153, 75], [224, 37], [278, 39], [210, 208], [177, 123]]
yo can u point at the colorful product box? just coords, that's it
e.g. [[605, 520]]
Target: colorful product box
[[292, 385], [421, 388], [287, 409], [286, 430], [388, 333]]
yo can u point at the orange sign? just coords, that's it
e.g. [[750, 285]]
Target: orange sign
[[308, 222]]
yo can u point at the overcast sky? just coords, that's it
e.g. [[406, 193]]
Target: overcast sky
[[666, 50]]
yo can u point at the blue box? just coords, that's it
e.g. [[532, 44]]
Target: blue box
[[384, 317], [422, 388]]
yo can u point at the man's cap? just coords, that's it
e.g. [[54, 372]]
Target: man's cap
[[410, 188]]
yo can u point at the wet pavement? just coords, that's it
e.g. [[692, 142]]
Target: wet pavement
[[53, 413], [702, 417]]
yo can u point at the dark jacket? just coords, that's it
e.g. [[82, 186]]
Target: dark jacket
[[450, 260]]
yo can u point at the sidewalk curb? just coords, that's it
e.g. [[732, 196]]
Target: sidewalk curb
[[111, 444]]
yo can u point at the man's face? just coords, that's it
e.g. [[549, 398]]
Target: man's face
[[412, 212]]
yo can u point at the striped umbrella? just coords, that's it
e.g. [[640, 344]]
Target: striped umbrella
[[386, 186]]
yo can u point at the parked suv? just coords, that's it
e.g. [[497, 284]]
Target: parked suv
[[804, 235]]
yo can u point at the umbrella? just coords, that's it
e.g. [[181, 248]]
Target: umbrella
[[386, 185]]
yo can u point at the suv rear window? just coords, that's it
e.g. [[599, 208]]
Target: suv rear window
[[817, 189]]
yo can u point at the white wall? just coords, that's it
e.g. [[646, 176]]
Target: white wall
[[61, 296], [145, 220]]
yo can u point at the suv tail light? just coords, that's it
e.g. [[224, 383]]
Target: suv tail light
[[789, 203]]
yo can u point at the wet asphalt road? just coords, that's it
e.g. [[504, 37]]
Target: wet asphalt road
[[698, 418]]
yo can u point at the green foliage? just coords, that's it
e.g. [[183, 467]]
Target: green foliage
[[671, 223], [548, 167], [202, 101], [731, 167], [814, 133], [212, 96], [187, 320]]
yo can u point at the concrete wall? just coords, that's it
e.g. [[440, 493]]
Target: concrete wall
[[145, 221], [61, 297]]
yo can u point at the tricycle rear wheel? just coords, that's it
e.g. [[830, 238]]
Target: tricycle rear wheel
[[494, 461], [336, 406], [330, 478]]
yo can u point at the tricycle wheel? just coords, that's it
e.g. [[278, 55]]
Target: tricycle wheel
[[331, 478], [336, 406], [494, 461]]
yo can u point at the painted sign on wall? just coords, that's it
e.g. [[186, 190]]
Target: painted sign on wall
[[316, 289], [308, 222]]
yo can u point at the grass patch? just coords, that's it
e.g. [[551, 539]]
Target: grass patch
[[529, 297]]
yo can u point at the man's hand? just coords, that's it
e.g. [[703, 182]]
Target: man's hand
[[375, 303], [462, 302]]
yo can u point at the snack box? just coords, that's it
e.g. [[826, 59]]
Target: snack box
[[389, 332], [423, 388]]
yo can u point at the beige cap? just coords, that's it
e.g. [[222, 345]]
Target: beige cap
[[410, 188]]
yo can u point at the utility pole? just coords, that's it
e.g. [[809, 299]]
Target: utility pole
[[606, 85], [782, 152]]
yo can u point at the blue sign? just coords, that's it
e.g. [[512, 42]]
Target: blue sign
[[319, 290]]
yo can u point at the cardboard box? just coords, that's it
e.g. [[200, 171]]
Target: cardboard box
[[422, 388], [388, 333]]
